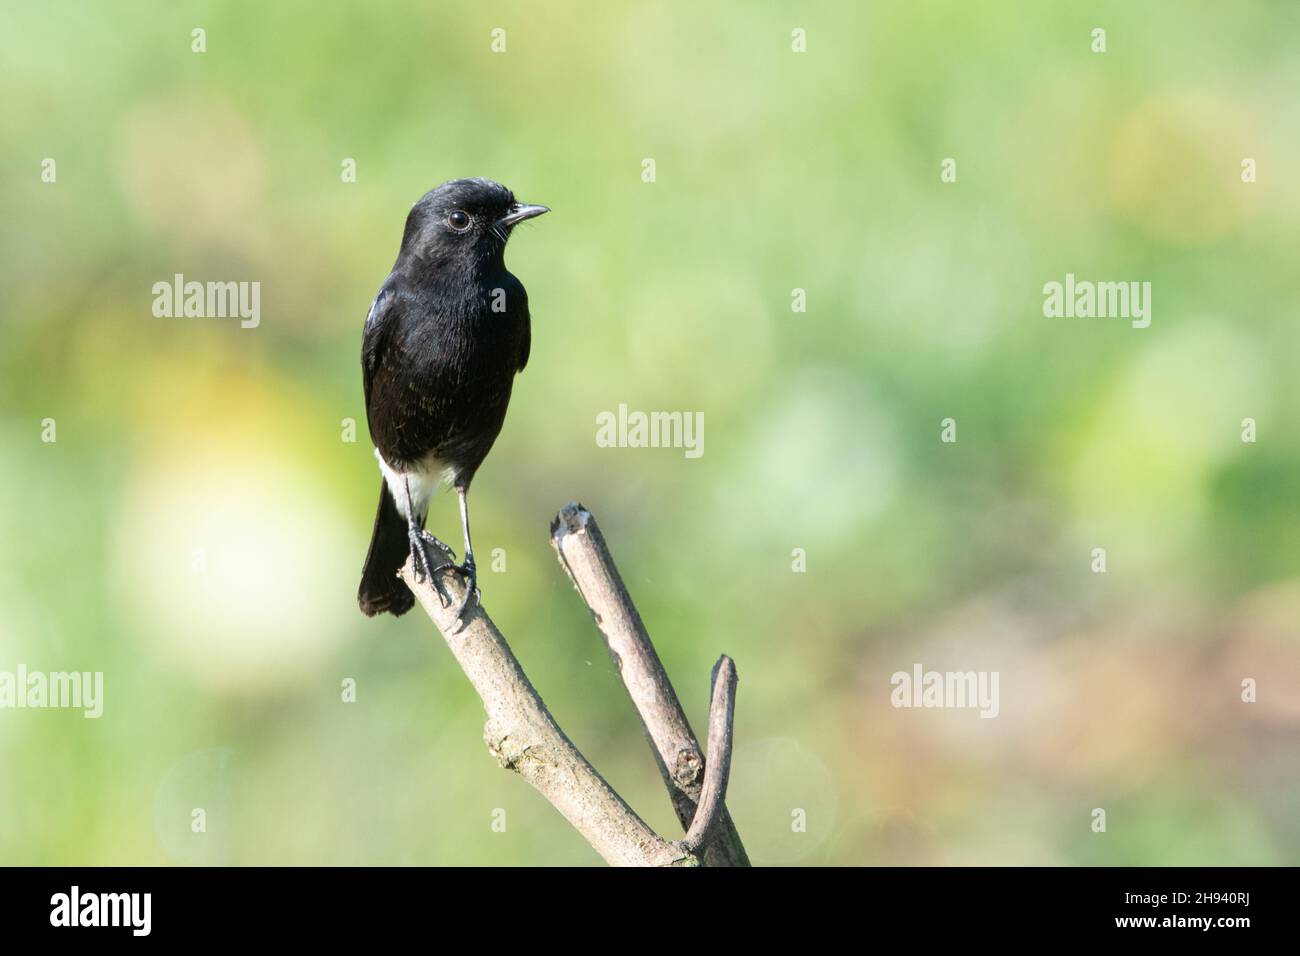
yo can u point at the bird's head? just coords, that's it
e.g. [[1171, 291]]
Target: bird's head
[[464, 220]]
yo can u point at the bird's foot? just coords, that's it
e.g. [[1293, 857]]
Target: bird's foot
[[470, 573], [425, 567]]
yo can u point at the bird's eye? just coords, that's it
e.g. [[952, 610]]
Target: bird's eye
[[458, 220]]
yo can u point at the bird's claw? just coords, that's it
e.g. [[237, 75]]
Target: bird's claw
[[424, 566], [472, 593]]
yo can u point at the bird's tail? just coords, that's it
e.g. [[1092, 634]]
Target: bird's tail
[[381, 589]]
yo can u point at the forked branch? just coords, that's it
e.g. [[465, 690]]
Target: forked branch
[[581, 548], [523, 735]]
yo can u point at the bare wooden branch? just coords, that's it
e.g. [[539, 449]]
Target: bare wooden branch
[[722, 710], [523, 736], [582, 551]]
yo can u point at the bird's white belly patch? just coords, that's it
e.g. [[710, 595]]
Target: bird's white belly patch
[[423, 479]]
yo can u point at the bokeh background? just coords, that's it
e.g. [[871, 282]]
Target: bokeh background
[[197, 530]]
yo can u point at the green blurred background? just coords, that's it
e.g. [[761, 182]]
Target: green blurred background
[[198, 528]]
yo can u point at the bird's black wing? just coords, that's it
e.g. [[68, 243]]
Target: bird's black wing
[[380, 321]]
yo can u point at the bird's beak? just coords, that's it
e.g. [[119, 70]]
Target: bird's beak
[[521, 211]]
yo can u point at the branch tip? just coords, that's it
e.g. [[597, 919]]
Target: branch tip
[[572, 519]]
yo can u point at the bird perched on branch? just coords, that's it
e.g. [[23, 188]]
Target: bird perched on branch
[[443, 341]]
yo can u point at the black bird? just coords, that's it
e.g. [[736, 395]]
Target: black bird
[[443, 341]]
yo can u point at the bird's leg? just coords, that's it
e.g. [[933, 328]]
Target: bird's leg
[[420, 541], [468, 569]]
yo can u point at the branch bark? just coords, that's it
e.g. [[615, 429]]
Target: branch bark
[[583, 553]]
